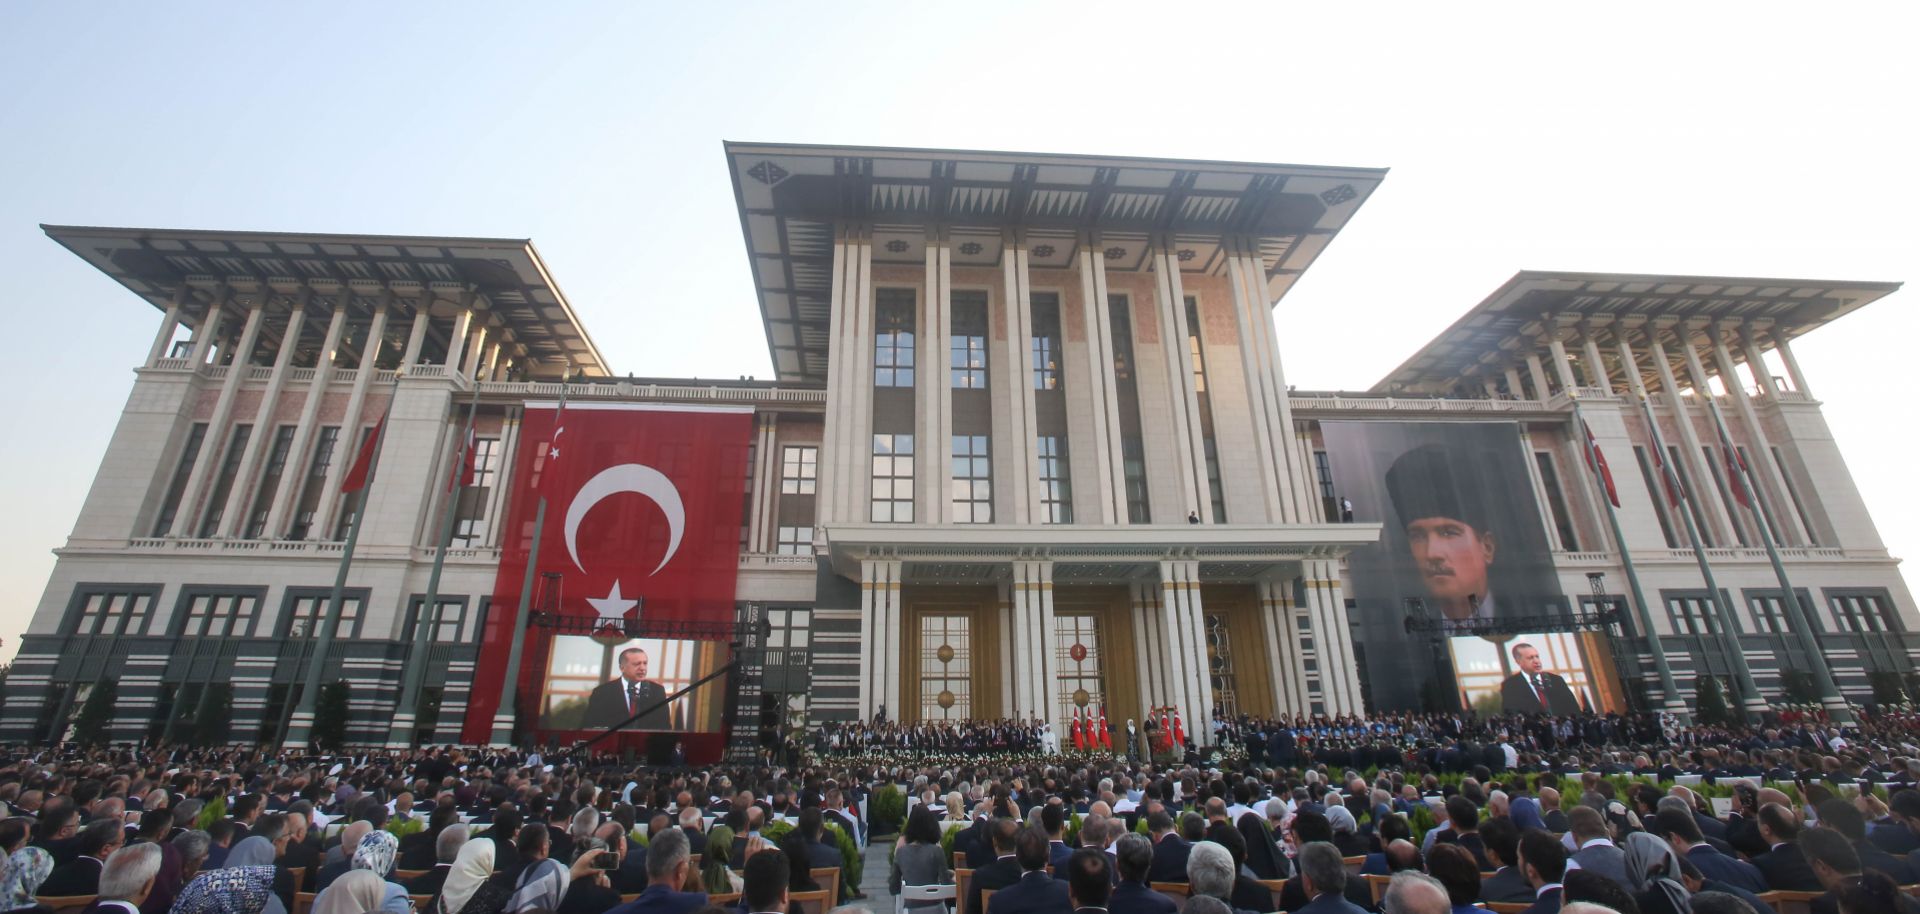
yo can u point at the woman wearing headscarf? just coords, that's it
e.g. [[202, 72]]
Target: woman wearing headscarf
[[1346, 831], [357, 892], [543, 882], [376, 853], [469, 888], [258, 851], [1653, 873], [716, 875], [25, 870], [235, 890]]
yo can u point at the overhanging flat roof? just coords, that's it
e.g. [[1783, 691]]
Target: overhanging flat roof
[[155, 263], [794, 199]]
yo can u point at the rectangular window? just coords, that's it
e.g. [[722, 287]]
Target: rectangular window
[[219, 615], [972, 480], [1056, 496], [1799, 507], [470, 518], [1133, 465], [1656, 491], [967, 343], [1726, 494], [1323, 470], [799, 469], [305, 609], [1864, 612], [893, 338], [892, 479], [223, 484], [111, 612], [1556, 501], [1216, 493], [794, 541], [269, 481], [1769, 613], [1195, 352], [315, 482], [446, 622], [1693, 614], [1046, 341], [170, 506], [1692, 495]]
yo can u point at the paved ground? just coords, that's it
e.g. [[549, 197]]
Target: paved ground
[[873, 880]]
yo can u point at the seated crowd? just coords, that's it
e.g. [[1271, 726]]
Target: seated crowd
[[1536, 825]]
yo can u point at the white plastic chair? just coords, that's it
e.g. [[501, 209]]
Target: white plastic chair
[[941, 893]]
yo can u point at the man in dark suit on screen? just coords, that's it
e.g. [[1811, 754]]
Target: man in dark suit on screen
[[1533, 690], [615, 700]]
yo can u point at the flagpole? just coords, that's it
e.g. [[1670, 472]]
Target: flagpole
[[300, 725], [1743, 481], [503, 716], [1671, 693], [428, 618]]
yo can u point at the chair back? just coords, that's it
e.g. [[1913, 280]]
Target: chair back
[[405, 876], [1275, 886], [1172, 889], [1354, 864], [925, 893], [1781, 900], [1378, 884], [723, 899], [299, 879], [962, 877], [303, 902], [1507, 907], [809, 902], [63, 903], [986, 895], [828, 879]]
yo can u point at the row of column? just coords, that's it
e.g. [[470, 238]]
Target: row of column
[[880, 624], [1035, 661], [475, 347], [1285, 467]]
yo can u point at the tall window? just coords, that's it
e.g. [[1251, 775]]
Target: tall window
[[1656, 491], [794, 541], [470, 520], [1127, 397], [1799, 507], [1693, 614], [1772, 521], [1323, 471], [972, 480], [1857, 612], [216, 615], [892, 479], [1076, 675], [1769, 613], [1056, 498], [1556, 501], [269, 482], [223, 484], [170, 506], [1220, 660], [1045, 315], [1133, 466], [1195, 352], [446, 622], [947, 681], [306, 608], [113, 613], [315, 482], [1216, 493], [799, 469], [967, 347], [893, 338]]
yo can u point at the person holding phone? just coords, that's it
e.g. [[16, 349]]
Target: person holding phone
[[591, 889]]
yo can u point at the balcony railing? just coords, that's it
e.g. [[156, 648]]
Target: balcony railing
[[633, 390], [1413, 405]]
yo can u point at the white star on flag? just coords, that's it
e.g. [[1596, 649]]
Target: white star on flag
[[613, 607]]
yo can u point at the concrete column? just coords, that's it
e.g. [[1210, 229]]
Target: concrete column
[[209, 326], [1514, 388], [1562, 369], [1348, 668], [1786, 520], [1793, 365], [1110, 472], [1036, 672], [1183, 406], [1705, 494], [1630, 366], [1538, 373], [880, 622], [1144, 603], [457, 338], [1185, 636], [503, 476], [1697, 371], [1261, 407], [1757, 365], [933, 391], [417, 337], [214, 448], [490, 365], [831, 487], [1283, 645], [1596, 367], [347, 443], [241, 496], [766, 483], [1019, 452], [295, 474], [1300, 496], [861, 417], [476, 350], [1492, 390], [849, 451], [168, 323]]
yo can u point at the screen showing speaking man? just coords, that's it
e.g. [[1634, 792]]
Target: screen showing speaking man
[[594, 685], [1554, 673]]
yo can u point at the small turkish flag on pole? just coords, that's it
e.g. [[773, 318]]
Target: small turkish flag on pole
[[362, 469], [462, 475], [1597, 462]]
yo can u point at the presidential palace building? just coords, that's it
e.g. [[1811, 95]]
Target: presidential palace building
[[1028, 442]]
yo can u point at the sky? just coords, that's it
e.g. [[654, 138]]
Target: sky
[[1720, 139]]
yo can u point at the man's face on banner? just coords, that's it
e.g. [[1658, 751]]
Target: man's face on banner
[[1452, 557], [633, 665], [1527, 658]]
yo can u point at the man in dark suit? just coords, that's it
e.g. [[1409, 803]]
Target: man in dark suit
[[1323, 876], [127, 880], [1169, 851], [446, 849], [615, 700], [1845, 818], [1035, 892], [81, 875], [1089, 881], [1544, 860], [818, 855], [1005, 868], [1133, 855], [1684, 834], [1532, 690], [1054, 820], [1506, 884], [667, 865], [1784, 866]]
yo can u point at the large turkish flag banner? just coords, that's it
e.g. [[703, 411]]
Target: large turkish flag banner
[[644, 506]]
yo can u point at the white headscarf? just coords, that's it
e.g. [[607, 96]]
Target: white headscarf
[[354, 892], [470, 871]]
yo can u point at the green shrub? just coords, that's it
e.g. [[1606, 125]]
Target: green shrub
[[213, 812], [887, 812], [90, 725]]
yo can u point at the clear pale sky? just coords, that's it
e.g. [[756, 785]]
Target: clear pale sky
[[1739, 139]]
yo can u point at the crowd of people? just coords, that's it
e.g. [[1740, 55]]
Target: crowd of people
[[1525, 812]]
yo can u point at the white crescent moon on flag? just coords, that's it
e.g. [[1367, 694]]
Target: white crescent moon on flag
[[628, 477]]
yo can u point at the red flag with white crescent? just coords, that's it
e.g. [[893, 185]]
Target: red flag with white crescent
[[1597, 462], [1179, 734]]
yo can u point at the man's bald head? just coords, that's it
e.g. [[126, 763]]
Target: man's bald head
[[1402, 855], [351, 835]]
